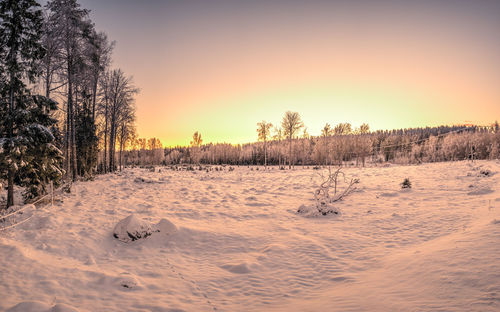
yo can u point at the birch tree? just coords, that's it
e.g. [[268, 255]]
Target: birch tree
[[263, 129], [291, 123]]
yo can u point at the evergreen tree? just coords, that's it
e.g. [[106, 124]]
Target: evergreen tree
[[27, 155], [42, 159]]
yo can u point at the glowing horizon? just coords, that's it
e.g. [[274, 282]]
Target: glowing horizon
[[220, 67]]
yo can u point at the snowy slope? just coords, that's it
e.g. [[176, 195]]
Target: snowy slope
[[239, 244]]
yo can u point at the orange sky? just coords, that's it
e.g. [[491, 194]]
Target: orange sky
[[219, 67]]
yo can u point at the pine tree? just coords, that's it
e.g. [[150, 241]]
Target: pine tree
[[42, 160], [27, 155]]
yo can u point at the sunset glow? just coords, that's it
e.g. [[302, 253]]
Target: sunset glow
[[219, 67]]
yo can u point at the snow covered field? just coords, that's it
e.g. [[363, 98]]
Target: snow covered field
[[241, 246]]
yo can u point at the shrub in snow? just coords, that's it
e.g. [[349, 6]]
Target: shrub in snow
[[148, 180], [127, 280], [323, 197], [406, 183], [131, 229], [485, 172]]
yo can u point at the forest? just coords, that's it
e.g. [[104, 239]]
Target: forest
[[61, 99]]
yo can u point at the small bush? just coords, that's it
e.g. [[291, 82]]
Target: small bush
[[406, 183], [485, 172]]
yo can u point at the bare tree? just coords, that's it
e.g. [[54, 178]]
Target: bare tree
[[197, 140], [126, 129], [118, 95], [291, 123], [305, 144], [364, 129], [342, 129], [195, 147], [326, 133], [278, 136], [99, 56], [263, 129], [52, 62], [70, 26]]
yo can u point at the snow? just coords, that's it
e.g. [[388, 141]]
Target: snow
[[35, 306], [233, 241]]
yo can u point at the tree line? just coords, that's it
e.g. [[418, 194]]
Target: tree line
[[61, 102], [290, 144]]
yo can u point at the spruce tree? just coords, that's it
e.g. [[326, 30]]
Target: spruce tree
[[27, 155]]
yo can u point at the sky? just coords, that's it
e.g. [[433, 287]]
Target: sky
[[219, 67]]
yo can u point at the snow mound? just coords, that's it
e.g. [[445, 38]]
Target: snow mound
[[128, 281], [165, 227], [131, 229], [148, 180], [36, 306]]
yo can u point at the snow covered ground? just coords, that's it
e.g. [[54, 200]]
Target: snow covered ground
[[239, 244]]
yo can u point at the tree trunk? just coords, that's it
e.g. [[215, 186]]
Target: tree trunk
[[279, 154], [10, 188], [290, 152], [112, 141], [11, 172], [106, 135], [120, 156], [47, 81], [121, 150], [94, 95], [265, 155], [69, 137], [72, 132]]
